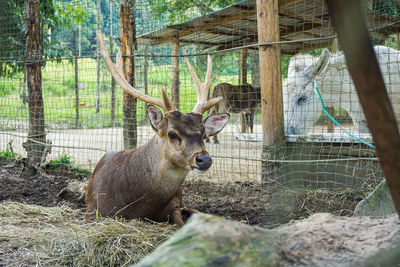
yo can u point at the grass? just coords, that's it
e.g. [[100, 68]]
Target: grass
[[58, 85], [8, 155], [65, 164]]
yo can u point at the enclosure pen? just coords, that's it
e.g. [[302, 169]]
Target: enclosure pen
[[297, 142]]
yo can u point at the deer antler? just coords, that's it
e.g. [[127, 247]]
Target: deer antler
[[202, 88], [116, 72]]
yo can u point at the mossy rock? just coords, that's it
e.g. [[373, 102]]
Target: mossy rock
[[207, 240], [378, 203]]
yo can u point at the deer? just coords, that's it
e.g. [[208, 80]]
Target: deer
[[146, 182], [242, 98]]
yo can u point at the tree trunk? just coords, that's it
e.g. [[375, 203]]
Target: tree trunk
[[128, 46], [36, 145]]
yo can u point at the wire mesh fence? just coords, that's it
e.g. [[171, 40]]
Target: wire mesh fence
[[83, 107]]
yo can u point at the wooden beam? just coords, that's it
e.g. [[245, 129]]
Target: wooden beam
[[270, 73], [363, 66]]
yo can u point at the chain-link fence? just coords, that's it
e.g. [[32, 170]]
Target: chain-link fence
[[327, 143]]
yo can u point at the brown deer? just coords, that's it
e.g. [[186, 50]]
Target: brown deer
[[237, 99], [146, 182]]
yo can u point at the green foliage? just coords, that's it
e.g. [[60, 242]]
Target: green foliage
[[65, 163], [7, 87], [182, 10], [8, 155]]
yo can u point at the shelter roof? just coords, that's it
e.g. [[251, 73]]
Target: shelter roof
[[236, 25]]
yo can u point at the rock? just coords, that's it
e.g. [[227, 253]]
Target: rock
[[206, 240], [321, 240], [378, 203]]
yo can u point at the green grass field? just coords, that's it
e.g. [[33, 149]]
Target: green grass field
[[58, 83]]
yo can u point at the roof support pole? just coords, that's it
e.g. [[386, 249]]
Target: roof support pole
[[175, 74], [243, 66], [271, 86], [270, 73]]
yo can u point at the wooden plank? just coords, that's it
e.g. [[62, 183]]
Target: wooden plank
[[270, 74], [363, 66]]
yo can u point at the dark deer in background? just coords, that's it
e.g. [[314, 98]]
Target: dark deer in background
[[146, 182], [237, 99]]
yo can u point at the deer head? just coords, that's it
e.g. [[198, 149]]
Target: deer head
[[180, 135]]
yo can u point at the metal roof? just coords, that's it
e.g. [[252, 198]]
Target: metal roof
[[236, 25]]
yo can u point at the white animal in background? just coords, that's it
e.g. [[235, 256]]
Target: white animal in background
[[301, 104]]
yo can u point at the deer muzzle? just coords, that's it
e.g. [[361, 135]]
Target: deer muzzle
[[203, 163]]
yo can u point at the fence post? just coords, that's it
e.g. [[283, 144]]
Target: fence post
[[128, 46], [270, 81], [112, 78], [76, 78], [98, 21], [175, 74], [36, 144]]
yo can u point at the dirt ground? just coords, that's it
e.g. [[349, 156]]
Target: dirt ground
[[268, 206], [241, 201]]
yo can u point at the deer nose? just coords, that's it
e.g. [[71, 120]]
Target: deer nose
[[203, 162]]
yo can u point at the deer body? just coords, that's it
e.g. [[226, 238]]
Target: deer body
[[146, 182], [135, 183], [242, 98]]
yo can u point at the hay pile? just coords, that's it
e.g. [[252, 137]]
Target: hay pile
[[36, 235]]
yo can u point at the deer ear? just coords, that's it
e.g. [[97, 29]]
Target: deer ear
[[215, 123], [155, 117]]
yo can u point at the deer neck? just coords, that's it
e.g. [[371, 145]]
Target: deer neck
[[164, 172]]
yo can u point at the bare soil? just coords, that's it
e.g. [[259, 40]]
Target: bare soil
[[241, 201]]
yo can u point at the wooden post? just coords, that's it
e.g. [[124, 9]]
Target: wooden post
[[76, 78], [398, 41], [330, 125], [98, 18], [36, 144], [363, 66], [128, 47], [112, 78], [146, 72], [175, 74], [270, 73], [334, 43], [243, 65]]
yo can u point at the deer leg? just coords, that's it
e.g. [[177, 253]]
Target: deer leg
[[185, 210], [172, 213], [250, 121]]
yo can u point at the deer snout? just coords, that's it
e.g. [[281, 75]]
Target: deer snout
[[203, 162]]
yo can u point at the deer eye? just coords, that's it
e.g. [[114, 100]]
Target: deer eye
[[173, 136]]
